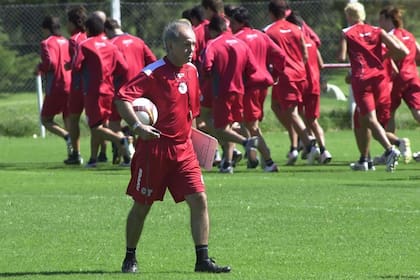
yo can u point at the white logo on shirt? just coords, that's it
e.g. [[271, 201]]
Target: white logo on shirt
[[182, 88], [285, 30]]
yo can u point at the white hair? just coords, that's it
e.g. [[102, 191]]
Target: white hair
[[355, 11], [173, 29]]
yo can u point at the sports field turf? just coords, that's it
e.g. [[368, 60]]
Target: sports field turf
[[305, 222]]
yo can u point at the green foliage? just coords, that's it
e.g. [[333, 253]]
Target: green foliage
[[15, 70], [19, 115]]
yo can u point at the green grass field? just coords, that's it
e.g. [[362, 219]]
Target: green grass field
[[305, 222]]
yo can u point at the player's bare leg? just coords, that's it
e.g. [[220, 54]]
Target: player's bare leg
[[134, 228], [199, 219]]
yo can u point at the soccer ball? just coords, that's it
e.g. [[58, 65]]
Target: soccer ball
[[145, 110]]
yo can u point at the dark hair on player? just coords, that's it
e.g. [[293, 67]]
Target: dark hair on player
[[393, 13], [94, 25], [77, 16], [215, 5], [197, 12], [241, 15], [218, 24], [52, 24], [278, 8]]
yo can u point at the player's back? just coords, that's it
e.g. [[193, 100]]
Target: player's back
[[289, 37], [57, 50], [230, 62], [364, 47], [136, 53], [407, 65], [100, 62]]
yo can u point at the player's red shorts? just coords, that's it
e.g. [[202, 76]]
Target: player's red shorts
[[98, 108], [227, 109], [160, 164], [407, 90], [311, 105], [373, 94], [288, 93], [254, 104], [55, 103]]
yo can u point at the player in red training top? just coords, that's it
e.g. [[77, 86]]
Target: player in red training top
[[164, 156], [287, 93], [99, 62], [54, 55], [76, 18], [137, 55], [312, 91], [406, 82], [227, 62], [266, 53], [363, 43]]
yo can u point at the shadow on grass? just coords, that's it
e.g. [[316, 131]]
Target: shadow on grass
[[24, 166], [400, 277], [77, 272], [52, 273]]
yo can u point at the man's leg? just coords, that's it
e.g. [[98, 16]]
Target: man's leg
[[134, 227], [200, 233]]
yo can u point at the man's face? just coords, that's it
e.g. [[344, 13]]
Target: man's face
[[181, 50]]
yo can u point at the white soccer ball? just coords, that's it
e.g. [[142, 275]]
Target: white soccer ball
[[145, 110]]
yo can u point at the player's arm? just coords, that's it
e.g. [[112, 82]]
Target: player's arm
[[417, 53], [303, 47], [276, 57], [342, 53], [396, 49], [320, 59], [45, 65]]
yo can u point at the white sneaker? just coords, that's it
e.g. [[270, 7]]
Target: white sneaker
[[236, 157], [251, 143], [325, 157], [292, 157], [313, 155], [416, 156], [271, 168], [392, 160], [253, 160], [129, 150], [359, 166], [217, 158], [405, 150], [379, 160]]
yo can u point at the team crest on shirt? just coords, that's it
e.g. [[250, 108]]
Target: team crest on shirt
[[182, 88]]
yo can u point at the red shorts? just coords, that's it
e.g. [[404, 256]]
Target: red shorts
[[254, 104], [160, 164], [98, 108], [311, 105], [373, 94], [227, 109], [288, 93], [55, 103], [409, 91]]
